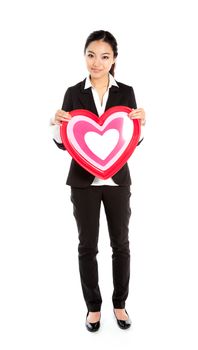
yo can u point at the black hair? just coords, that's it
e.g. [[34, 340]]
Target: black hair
[[107, 37]]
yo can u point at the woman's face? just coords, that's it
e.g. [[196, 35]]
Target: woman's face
[[99, 58]]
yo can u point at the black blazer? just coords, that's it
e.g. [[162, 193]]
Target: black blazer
[[76, 97]]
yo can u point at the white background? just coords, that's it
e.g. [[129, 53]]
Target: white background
[[41, 304]]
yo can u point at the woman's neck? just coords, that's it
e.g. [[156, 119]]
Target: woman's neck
[[100, 82]]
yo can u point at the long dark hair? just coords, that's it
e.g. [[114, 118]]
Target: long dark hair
[[106, 37]]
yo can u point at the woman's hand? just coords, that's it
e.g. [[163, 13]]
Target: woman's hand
[[138, 113], [60, 116]]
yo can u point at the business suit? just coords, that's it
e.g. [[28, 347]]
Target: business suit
[[78, 98], [87, 200]]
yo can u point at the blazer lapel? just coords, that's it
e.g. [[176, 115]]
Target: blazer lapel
[[114, 97]]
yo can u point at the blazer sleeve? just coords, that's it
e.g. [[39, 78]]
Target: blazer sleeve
[[133, 104], [67, 101], [67, 107], [132, 100]]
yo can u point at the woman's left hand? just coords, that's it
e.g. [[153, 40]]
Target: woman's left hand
[[138, 113]]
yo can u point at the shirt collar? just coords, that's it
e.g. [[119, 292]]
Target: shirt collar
[[111, 82]]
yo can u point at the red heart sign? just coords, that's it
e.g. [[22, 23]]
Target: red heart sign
[[101, 145]]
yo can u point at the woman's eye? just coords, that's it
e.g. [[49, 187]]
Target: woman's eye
[[90, 55], [106, 57]]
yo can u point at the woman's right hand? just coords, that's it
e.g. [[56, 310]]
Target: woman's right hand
[[60, 116]]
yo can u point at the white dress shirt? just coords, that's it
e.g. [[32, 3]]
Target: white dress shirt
[[100, 109]]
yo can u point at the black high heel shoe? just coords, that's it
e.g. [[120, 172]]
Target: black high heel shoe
[[92, 327], [123, 324]]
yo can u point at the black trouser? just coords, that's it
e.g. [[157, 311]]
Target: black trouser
[[86, 206]]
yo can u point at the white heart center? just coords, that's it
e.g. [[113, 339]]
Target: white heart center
[[102, 145]]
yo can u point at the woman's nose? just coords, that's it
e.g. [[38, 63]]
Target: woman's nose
[[96, 62]]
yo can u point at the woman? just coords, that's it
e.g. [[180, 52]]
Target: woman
[[97, 93]]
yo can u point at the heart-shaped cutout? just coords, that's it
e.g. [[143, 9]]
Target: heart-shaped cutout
[[101, 145], [96, 142]]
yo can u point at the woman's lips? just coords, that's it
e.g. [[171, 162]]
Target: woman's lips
[[96, 70]]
